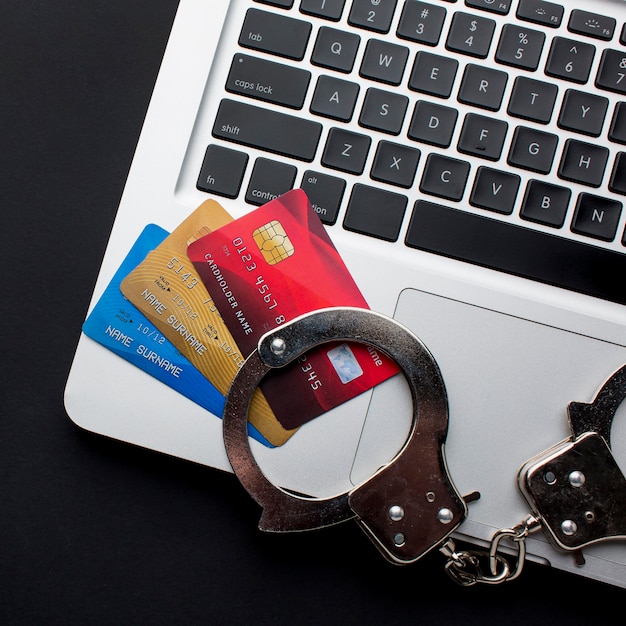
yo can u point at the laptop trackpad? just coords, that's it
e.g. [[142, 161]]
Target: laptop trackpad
[[509, 381]]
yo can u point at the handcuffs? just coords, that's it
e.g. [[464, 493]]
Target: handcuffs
[[410, 506]]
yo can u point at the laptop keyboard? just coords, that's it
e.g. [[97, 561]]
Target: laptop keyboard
[[490, 131]]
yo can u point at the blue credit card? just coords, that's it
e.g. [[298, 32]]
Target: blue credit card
[[119, 326]]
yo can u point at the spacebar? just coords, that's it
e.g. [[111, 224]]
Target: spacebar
[[539, 256], [267, 129]]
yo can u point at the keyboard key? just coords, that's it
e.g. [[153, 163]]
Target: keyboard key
[[617, 184], [325, 194], [583, 112], [532, 99], [395, 164], [617, 132], [521, 251], [612, 71], [268, 130], [421, 22], [495, 190], [545, 203], [334, 98], [444, 177], [375, 212], [370, 15], [285, 4], [583, 163], [327, 9], [335, 49], [222, 171], [570, 60], [470, 34], [269, 180], [520, 47], [346, 151], [591, 24], [432, 123], [482, 87], [502, 6], [540, 12], [383, 110], [276, 34], [433, 74], [532, 149], [384, 62], [596, 217], [269, 81], [482, 136]]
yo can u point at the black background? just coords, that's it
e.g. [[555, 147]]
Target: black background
[[97, 532]]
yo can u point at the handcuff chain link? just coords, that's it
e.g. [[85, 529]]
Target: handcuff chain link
[[464, 566]]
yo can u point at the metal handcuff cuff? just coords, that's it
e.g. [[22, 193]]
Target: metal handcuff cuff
[[575, 490]]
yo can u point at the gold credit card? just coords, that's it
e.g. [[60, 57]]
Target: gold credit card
[[166, 288]]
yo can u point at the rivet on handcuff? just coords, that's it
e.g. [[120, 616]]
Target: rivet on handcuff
[[410, 506]]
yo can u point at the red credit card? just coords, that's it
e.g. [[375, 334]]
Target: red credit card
[[271, 266]]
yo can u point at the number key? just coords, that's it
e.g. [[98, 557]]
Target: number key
[[520, 47], [570, 60], [421, 22], [372, 15], [612, 72], [470, 34]]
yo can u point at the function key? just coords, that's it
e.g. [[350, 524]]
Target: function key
[[222, 171], [540, 12], [591, 24], [498, 6], [370, 15], [622, 37]]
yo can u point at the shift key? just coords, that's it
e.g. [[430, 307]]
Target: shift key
[[266, 129]]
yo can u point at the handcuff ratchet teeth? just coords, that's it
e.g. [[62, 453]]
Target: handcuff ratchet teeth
[[407, 507]]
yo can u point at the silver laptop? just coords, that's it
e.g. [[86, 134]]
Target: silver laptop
[[468, 160]]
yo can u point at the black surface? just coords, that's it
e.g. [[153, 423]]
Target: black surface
[[96, 532], [520, 251]]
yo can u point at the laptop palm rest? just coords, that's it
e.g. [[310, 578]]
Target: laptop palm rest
[[513, 379]]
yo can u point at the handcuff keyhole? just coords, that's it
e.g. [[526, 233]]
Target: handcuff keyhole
[[550, 477]]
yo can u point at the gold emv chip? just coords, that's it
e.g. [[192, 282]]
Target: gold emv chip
[[273, 242]]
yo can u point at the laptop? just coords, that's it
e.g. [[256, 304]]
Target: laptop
[[468, 161]]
